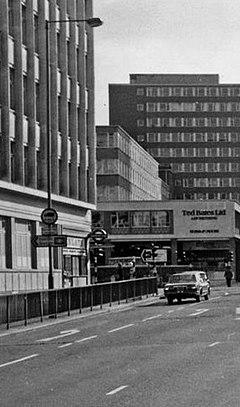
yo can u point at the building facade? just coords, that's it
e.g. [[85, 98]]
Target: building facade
[[125, 171], [24, 138], [190, 122], [201, 233]]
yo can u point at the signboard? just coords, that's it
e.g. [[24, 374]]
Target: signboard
[[50, 230], [49, 216], [46, 241], [99, 235], [161, 256]]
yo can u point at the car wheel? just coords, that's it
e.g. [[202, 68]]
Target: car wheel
[[198, 298], [170, 301], [206, 297], [179, 300]]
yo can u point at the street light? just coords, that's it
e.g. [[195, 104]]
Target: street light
[[92, 22]]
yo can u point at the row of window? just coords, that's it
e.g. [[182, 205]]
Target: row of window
[[134, 174], [208, 182], [108, 193], [129, 147], [140, 219], [179, 137], [206, 167], [190, 91], [189, 122], [188, 107], [195, 152], [209, 195]]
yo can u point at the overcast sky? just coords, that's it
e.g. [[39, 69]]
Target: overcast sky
[[164, 36]]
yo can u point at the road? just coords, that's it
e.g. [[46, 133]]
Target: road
[[146, 354]]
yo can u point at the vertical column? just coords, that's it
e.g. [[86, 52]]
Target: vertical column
[[73, 187], [4, 92], [91, 134], [42, 169], [53, 98], [31, 96], [63, 102], [81, 67], [19, 50], [174, 250]]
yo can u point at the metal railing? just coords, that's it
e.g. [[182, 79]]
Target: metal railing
[[23, 307]]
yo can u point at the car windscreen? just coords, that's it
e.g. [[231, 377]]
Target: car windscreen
[[182, 278]]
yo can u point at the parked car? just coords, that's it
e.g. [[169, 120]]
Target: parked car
[[189, 284]]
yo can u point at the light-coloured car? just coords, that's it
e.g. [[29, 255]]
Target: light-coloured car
[[189, 284]]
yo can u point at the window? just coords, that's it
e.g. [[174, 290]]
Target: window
[[160, 219], [36, 33], [119, 219], [11, 17], [140, 107], [140, 123], [11, 90], [140, 219], [140, 92], [24, 25], [25, 96]]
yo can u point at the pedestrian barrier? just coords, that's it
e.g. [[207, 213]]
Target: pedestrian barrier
[[39, 304]]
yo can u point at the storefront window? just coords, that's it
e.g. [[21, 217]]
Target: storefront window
[[119, 220], [160, 219], [140, 219]]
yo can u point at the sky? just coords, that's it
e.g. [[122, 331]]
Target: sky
[[164, 36]]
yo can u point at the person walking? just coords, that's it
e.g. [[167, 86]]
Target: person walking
[[228, 276]]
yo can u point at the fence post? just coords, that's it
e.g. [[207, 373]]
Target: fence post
[[69, 301], [41, 306], [147, 287], [8, 312], [110, 304], [80, 300], [127, 293], [119, 293], [56, 304], [91, 308], [101, 305], [25, 309], [134, 290]]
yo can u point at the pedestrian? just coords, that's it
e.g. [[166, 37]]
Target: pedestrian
[[228, 275]]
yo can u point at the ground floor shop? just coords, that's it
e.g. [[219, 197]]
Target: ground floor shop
[[204, 234], [25, 266]]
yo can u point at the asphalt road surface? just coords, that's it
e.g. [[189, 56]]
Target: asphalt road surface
[[147, 354]]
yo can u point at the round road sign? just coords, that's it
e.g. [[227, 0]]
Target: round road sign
[[49, 216], [98, 235]]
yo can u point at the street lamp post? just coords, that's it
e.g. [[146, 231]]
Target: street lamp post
[[92, 22]]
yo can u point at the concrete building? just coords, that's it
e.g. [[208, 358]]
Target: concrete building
[[24, 115], [200, 233], [125, 171], [190, 122]]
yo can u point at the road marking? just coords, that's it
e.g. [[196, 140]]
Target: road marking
[[153, 317], [86, 339], [63, 334], [65, 345], [116, 390], [19, 360], [121, 327], [237, 310], [180, 308], [169, 312], [199, 311], [213, 344]]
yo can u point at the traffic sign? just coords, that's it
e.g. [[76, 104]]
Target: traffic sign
[[46, 241], [98, 235], [50, 230], [146, 255], [49, 216]]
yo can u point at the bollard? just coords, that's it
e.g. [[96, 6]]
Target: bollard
[[25, 310]]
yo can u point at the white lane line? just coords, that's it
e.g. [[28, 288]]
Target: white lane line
[[213, 344], [86, 339], [19, 360], [116, 390], [121, 327], [199, 311], [153, 317], [65, 345], [169, 312], [237, 310], [180, 308], [63, 334]]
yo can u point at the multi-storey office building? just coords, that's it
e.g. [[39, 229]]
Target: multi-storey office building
[[24, 154], [191, 122], [125, 171]]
